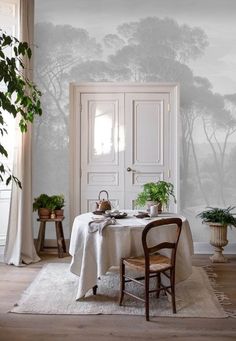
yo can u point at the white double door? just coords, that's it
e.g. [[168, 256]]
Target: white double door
[[127, 139]]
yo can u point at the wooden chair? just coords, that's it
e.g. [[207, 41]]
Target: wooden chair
[[153, 264]]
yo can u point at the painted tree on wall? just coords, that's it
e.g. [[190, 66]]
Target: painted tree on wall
[[58, 49], [148, 50], [158, 50]]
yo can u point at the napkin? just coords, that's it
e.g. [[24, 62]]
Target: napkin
[[95, 226]]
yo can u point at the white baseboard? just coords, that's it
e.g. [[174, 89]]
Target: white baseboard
[[206, 248]]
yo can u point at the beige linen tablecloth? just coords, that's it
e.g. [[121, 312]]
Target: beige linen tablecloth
[[94, 253]]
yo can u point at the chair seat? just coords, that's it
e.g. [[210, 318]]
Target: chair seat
[[157, 262]]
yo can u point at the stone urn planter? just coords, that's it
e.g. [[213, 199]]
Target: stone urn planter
[[218, 241], [218, 219]]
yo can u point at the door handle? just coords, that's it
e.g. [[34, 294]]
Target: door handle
[[130, 170]]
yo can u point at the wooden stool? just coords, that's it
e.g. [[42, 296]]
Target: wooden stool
[[61, 245]]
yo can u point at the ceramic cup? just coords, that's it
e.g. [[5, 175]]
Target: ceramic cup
[[153, 211]]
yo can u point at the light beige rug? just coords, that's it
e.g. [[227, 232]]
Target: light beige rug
[[54, 289]]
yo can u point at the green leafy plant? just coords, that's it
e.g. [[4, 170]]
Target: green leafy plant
[[19, 96], [159, 192], [57, 202], [54, 202], [42, 201], [222, 216]]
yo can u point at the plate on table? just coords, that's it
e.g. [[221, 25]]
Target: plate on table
[[142, 215], [116, 215], [98, 212]]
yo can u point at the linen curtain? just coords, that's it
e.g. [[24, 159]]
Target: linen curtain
[[19, 247]]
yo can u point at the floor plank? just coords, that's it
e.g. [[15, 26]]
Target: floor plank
[[23, 327]]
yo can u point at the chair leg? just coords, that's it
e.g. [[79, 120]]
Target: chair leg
[[158, 285], [147, 296], [122, 281], [172, 279]]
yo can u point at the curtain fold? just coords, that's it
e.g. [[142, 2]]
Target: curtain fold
[[19, 247]]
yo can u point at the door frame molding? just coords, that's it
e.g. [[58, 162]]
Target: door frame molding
[[75, 91]]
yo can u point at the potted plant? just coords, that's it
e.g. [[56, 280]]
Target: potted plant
[[43, 205], [218, 219], [57, 204], [156, 193], [20, 98]]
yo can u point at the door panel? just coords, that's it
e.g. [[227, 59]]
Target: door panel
[[139, 179], [147, 133], [102, 156], [102, 131], [147, 141], [125, 142]]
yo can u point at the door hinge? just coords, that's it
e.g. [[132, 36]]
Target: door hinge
[[80, 107], [168, 107], [169, 173], [81, 172]]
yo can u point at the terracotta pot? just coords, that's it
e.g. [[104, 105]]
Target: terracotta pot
[[59, 213], [44, 213]]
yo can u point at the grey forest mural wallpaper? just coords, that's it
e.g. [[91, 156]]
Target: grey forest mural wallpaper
[[190, 42]]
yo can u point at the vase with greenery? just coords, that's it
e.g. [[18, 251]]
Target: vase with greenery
[[43, 205], [19, 96], [156, 193], [218, 219]]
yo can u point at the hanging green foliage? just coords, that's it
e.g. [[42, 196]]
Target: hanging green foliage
[[19, 96], [159, 192], [218, 215]]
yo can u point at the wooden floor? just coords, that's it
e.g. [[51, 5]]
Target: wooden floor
[[17, 327]]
